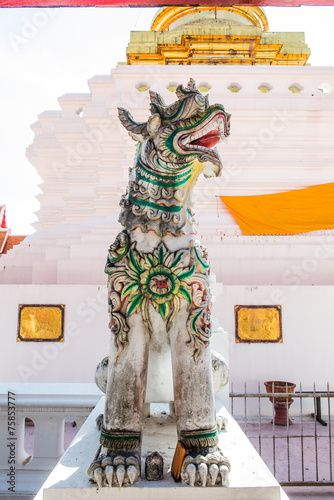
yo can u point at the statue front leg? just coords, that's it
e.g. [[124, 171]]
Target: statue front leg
[[118, 459], [203, 464]]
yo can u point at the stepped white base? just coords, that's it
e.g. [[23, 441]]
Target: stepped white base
[[249, 479]]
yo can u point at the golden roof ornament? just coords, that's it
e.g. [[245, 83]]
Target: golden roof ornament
[[215, 35]]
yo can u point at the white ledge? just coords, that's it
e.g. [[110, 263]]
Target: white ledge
[[50, 395], [249, 479]]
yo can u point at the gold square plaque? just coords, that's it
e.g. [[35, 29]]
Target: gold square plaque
[[41, 323], [258, 324]]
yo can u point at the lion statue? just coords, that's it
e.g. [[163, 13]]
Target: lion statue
[[159, 293]]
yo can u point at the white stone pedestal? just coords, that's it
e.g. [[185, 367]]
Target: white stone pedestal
[[249, 479]]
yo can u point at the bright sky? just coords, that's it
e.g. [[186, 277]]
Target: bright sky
[[45, 53]]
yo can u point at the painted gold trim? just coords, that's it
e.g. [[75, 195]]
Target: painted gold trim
[[171, 14]]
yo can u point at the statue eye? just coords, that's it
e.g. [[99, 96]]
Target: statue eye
[[200, 100]]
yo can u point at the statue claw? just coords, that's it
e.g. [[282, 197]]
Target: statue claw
[[191, 472], [223, 470], [98, 476], [109, 472], [132, 473], [120, 473], [205, 470], [213, 472], [203, 473]]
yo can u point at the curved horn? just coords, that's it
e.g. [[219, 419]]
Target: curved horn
[[130, 124], [156, 98], [192, 85], [157, 105]]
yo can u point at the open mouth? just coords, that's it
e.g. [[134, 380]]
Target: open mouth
[[208, 140], [205, 136]]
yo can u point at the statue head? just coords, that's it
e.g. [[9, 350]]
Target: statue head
[[183, 132], [175, 147]]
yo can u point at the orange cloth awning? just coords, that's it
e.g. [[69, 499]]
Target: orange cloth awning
[[298, 211]]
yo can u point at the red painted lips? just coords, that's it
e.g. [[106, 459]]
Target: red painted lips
[[208, 140]]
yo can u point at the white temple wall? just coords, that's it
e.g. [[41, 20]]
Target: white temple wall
[[272, 260], [305, 355], [86, 334]]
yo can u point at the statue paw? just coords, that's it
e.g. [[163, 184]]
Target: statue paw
[[117, 471], [221, 423], [205, 470]]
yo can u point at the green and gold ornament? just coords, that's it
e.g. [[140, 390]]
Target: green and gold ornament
[[162, 279]]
